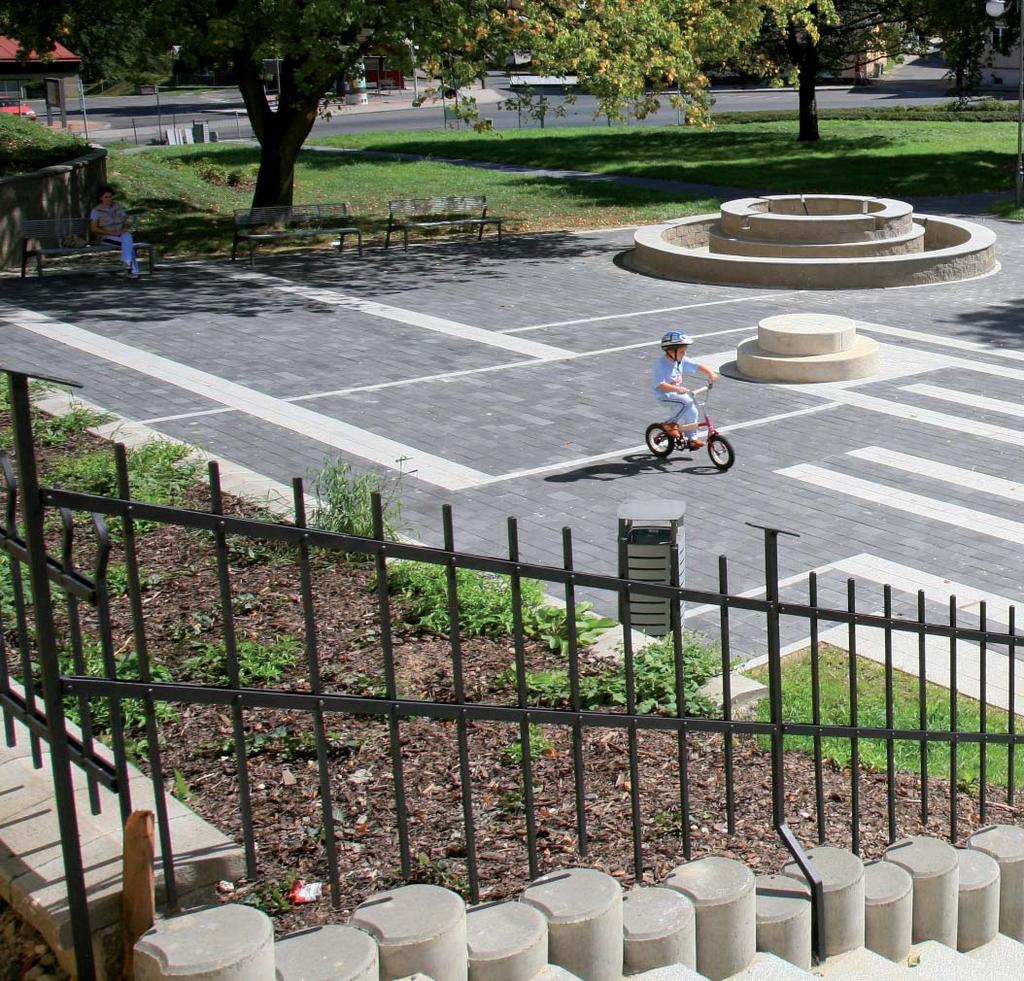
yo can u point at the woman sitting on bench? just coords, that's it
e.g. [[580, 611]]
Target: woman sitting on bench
[[110, 222]]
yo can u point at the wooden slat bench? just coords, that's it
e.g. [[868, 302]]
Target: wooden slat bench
[[408, 213], [255, 225], [41, 237]]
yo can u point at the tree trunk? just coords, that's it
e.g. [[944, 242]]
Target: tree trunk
[[808, 79]]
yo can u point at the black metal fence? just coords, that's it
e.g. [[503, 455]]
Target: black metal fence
[[39, 704]]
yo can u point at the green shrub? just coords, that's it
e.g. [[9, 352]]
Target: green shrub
[[485, 600], [551, 624], [540, 746], [258, 664], [343, 500], [57, 430]]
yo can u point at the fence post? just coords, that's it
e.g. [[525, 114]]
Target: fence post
[[60, 761]]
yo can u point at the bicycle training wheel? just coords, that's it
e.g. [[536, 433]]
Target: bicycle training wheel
[[658, 441], [721, 452]]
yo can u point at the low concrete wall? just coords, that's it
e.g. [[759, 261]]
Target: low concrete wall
[[62, 191]]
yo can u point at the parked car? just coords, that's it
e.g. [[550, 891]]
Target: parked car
[[16, 107]]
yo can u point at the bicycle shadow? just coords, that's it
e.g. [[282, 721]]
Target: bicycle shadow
[[631, 466]]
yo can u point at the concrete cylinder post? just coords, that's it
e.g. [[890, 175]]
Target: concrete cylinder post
[[419, 929], [327, 953], [842, 876], [888, 910], [506, 941], [583, 908], [214, 943], [1005, 843], [932, 864], [658, 929], [784, 919], [723, 895], [978, 907]]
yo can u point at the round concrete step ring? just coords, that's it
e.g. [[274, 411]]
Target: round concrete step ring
[[842, 876], [327, 953], [888, 910], [978, 905], [507, 942], [1005, 843], [658, 929], [805, 334], [784, 919], [419, 929], [860, 361], [583, 908], [932, 865], [218, 943], [723, 895]]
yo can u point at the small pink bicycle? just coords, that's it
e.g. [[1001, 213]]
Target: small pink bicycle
[[661, 443]]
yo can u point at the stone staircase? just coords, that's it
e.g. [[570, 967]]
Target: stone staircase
[[924, 911]]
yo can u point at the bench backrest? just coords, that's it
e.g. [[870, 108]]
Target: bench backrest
[[291, 215], [437, 207], [64, 231]]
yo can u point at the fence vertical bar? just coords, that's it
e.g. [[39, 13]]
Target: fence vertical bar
[[455, 639], [46, 645], [131, 559], [316, 686], [851, 605], [682, 737], [890, 748], [983, 719], [391, 683], [234, 679], [922, 702], [1011, 763], [954, 723], [771, 588], [521, 697], [819, 783], [728, 741], [574, 695]]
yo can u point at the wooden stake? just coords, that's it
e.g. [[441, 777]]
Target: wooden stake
[[138, 901]]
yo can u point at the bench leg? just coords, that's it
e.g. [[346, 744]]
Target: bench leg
[[359, 242], [149, 260], [499, 233], [387, 237], [480, 236], [405, 238], [234, 247], [252, 249], [24, 262], [341, 242]]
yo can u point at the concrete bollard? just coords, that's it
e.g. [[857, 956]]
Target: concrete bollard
[[1005, 843], [932, 865], [722, 893], [212, 943], [583, 908], [506, 941], [888, 910], [978, 906], [419, 929], [659, 929], [784, 918], [842, 876], [327, 953]]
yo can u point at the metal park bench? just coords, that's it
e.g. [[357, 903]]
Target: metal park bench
[[46, 237], [255, 225], [408, 213]]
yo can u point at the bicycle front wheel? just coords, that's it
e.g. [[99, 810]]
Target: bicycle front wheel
[[658, 441], [721, 452]]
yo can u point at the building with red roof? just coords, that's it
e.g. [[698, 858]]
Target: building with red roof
[[16, 74]]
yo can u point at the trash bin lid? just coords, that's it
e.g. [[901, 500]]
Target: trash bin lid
[[652, 509]]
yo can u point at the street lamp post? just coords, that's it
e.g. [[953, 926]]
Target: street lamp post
[[996, 8]]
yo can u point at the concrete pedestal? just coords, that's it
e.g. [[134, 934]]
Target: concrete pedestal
[[327, 953], [213, 943], [784, 919], [978, 909], [583, 908], [723, 896], [932, 864], [507, 942], [888, 910], [658, 929], [1005, 843], [419, 929], [842, 876]]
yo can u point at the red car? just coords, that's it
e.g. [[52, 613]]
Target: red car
[[17, 108]]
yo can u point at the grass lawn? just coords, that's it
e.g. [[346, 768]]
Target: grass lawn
[[853, 157], [184, 195], [835, 710], [26, 145]]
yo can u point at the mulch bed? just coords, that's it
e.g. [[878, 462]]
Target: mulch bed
[[182, 614]]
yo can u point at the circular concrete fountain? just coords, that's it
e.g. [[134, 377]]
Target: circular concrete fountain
[[815, 241]]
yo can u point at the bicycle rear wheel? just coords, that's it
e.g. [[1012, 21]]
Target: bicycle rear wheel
[[721, 452], [658, 441]]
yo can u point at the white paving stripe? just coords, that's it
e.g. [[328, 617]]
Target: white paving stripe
[[1012, 490], [900, 500], [410, 317], [942, 340], [968, 398], [313, 425]]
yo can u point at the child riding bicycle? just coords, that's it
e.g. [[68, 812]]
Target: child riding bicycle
[[666, 382]]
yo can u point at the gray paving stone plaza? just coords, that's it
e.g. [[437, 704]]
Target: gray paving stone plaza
[[514, 381]]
